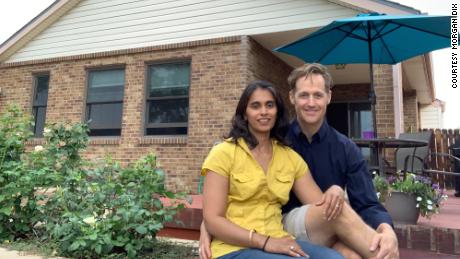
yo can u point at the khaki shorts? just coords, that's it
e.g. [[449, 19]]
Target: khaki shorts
[[294, 222]]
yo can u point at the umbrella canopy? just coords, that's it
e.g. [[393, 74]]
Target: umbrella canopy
[[387, 39], [372, 38]]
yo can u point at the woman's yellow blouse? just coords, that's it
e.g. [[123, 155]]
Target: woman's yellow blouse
[[254, 198]]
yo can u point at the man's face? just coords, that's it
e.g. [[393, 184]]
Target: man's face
[[310, 100]]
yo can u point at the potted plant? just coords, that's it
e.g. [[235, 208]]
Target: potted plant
[[406, 196]]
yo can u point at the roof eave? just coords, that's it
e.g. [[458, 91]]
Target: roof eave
[[35, 26]]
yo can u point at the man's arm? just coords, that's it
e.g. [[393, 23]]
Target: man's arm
[[361, 191]]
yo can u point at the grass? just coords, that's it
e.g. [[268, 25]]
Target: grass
[[163, 250]]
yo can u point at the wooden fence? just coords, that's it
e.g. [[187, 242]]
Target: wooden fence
[[441, 141]]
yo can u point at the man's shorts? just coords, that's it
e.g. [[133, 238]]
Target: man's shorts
[[294, 222]]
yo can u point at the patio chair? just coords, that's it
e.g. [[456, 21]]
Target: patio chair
[[413, 159], [416, 160]]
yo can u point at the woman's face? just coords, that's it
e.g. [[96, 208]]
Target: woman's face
[[261, 111]]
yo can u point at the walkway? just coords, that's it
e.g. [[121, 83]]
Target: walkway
[[449, 216]]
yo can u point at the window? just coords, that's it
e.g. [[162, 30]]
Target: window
[[353, 120], [167, 99], [104, 102], [40, 100]]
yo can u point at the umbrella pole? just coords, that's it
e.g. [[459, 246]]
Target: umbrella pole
[[372, 97]]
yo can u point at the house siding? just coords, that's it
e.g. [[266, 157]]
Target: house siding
[[431, 117], [97, 25]]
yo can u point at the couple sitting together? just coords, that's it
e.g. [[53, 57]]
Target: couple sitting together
[[262, 199]]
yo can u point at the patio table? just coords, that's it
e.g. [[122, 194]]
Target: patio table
[[381, 143]]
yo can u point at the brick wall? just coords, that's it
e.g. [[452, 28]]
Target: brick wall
[[220, 69], [262, 64], [425, 238], [410, 108], [216, 83], [350, 92]]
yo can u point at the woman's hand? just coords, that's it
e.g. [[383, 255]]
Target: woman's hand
[[205, 243], [284, 245], [333, 200]]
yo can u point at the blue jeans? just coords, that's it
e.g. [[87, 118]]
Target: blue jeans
[[314, 251]]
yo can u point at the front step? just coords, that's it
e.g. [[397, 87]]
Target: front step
[[428, 238]]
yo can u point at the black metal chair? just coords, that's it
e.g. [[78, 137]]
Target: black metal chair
[[414, 158]]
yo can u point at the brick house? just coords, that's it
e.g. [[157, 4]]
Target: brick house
[[165, 76]]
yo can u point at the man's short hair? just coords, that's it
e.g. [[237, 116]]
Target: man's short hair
[[307, 70]]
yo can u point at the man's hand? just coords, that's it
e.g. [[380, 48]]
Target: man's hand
[[205, 243], [333, 200], [387, 241]]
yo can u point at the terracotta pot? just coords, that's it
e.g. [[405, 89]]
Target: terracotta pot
[[402, 208]]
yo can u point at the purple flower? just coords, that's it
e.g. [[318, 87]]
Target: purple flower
[[435, 186], [391, 179]]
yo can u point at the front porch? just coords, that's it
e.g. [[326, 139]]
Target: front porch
[[430, 237]]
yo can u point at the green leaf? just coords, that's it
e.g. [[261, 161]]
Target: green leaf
[[92, 236], [75, 245], [98, 249], [7, 211], [141, 229]]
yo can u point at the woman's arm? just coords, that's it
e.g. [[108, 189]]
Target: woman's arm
[[306, 190], [215, 193]]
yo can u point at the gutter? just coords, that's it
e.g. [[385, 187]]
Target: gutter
[[379, 6]]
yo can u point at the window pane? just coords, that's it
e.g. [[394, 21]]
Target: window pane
[[104, 132], [41, 90], [39, 116], [106, 86], [361, 120], [167, 111], [169, 80], [104, 116], [361, 126], [167, 131]]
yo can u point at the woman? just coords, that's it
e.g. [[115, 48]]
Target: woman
[[249, 177]]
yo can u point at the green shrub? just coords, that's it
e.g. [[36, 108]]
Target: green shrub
[[107, 209], [111, 211], [88, 210], [18, 205]]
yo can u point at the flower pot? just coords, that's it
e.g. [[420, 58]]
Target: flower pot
[[402, 208]]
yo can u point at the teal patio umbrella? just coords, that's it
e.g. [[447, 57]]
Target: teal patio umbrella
[[372, 38]]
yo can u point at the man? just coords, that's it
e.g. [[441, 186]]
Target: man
[[333, 159]]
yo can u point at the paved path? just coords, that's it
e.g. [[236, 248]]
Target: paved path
[[8, 254]]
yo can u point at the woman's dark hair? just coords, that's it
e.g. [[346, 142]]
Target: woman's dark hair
[[240, 125]]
